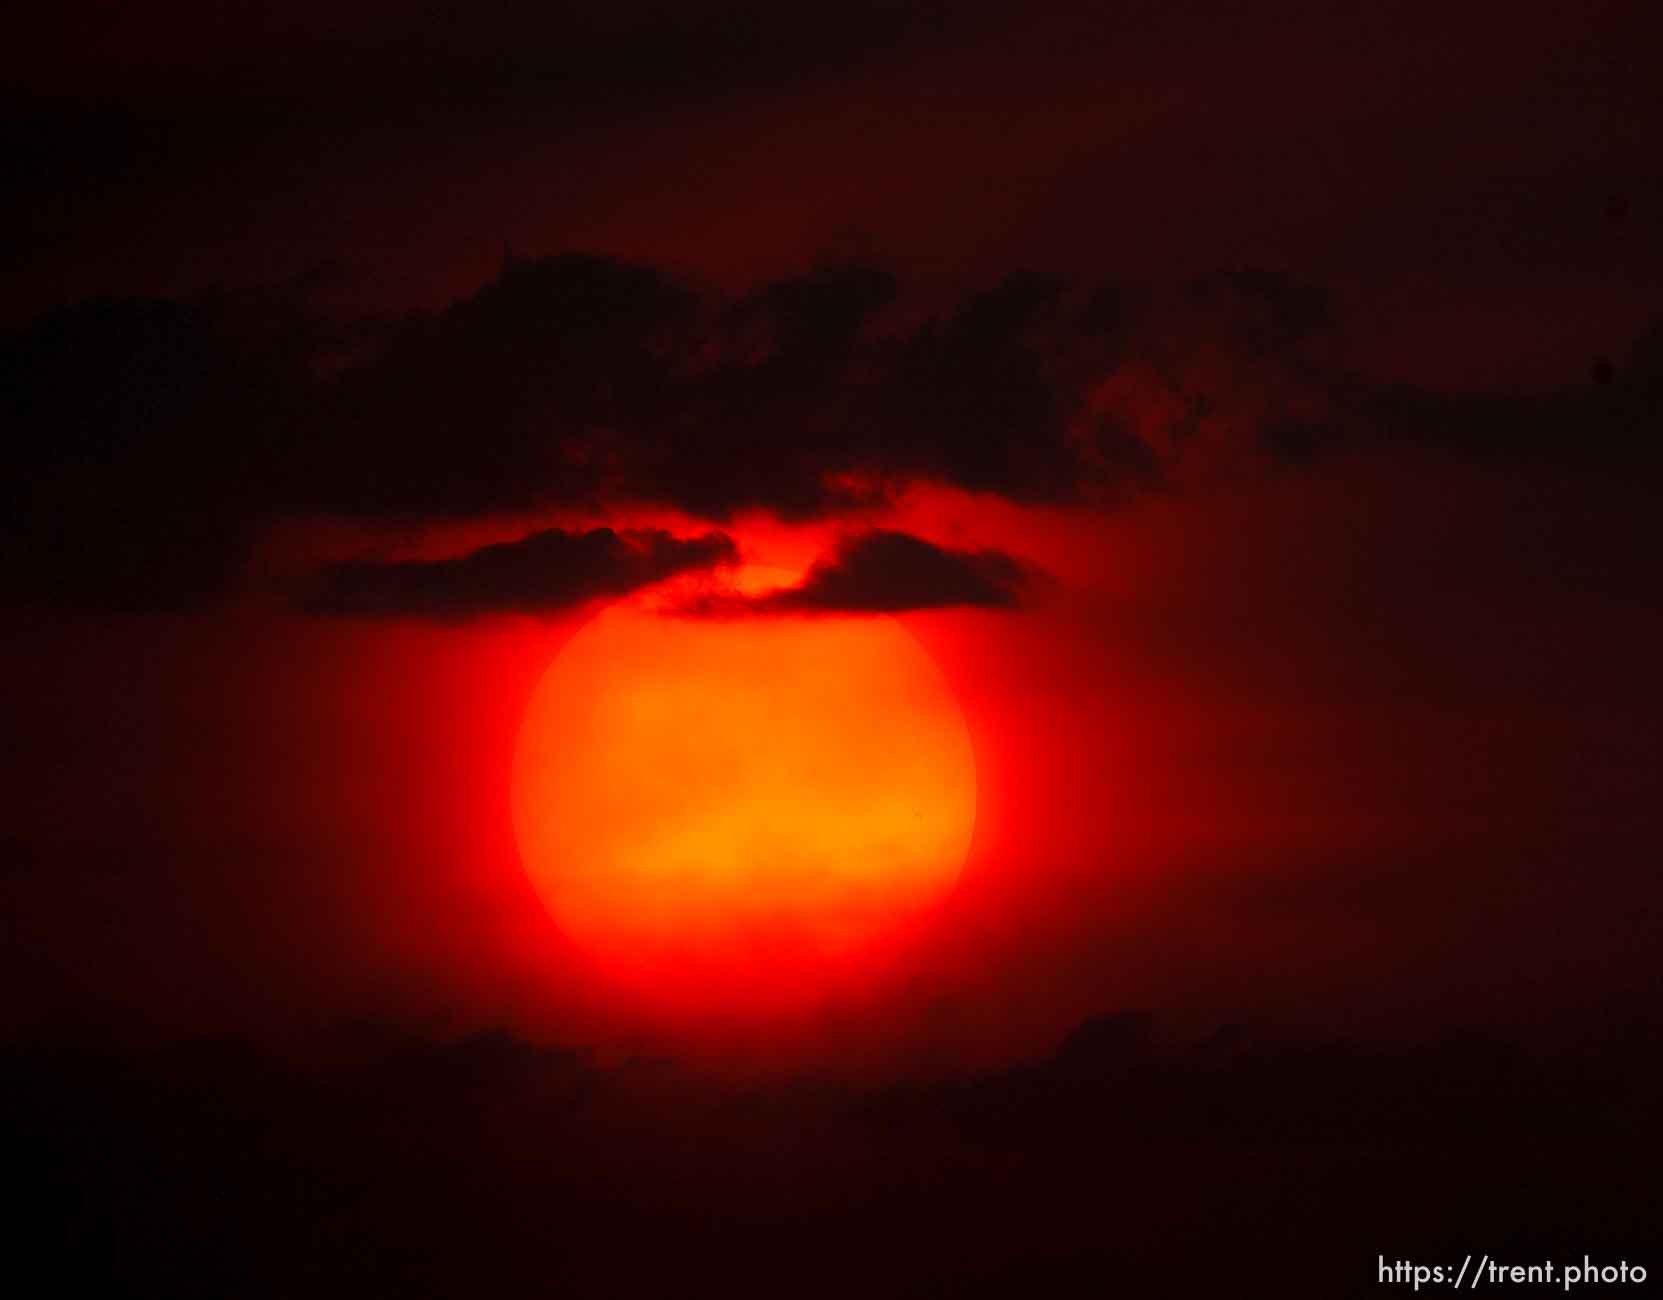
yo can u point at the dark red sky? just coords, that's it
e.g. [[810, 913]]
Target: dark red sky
[[1255, 411], [1329, 695], [1465, 174]]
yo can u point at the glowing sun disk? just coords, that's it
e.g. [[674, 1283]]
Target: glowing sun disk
[[741, 792]]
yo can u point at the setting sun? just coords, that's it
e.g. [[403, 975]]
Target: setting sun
[[749, 796]]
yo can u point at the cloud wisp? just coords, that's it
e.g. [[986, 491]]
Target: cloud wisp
[[544, 573], [885, 572]]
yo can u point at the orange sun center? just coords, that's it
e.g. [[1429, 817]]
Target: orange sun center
[[750, 796]]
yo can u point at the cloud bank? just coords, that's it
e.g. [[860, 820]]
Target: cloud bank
[[544, 573], [151, 441]]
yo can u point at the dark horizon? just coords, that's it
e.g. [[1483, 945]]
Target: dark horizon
[[224, 1168]]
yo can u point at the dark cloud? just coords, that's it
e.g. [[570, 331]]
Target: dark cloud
[[150, 440], [533, 392], [882, 572], [543, 573], [575, 378], [889, 572], [1611, 424], [982, 399], [562, 382]]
